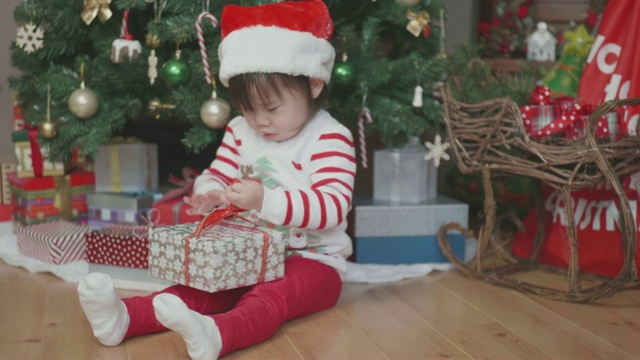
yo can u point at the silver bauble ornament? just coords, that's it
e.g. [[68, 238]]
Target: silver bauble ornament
[[83, 102], [215, 113], [48, 129]]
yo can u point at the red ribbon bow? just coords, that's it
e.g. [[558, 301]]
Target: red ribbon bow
[[185, 183], [540, 95], [37, 160]]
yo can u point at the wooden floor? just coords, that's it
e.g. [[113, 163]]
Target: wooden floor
[[439, 316]]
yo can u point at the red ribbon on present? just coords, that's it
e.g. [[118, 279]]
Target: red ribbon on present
[[37, 160], [540, 95], [185, 183]]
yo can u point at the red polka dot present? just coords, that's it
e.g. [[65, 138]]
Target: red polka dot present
[[126, 246]]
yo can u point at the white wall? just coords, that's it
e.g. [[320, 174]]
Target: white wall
[[8, 30]]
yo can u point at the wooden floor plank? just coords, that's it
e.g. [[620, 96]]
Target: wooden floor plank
[[394, 327], [525, 316], [22, 310], [329, 335], [464, 325]]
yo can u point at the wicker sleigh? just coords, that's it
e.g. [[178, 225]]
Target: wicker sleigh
[[490, 138]]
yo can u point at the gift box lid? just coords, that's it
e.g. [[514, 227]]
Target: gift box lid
[[112, 200], [77, 178]]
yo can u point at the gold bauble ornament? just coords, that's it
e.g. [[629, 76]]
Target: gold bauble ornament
[[83, 102], [215, 113], [48, 129]]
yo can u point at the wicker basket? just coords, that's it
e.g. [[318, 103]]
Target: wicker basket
[[490, 138]]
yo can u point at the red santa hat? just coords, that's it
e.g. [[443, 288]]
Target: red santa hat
[[290, 37]]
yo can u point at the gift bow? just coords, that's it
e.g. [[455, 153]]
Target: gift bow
[[37, 160], [418, 22], [189, 175], [93, 8], [540, 95]]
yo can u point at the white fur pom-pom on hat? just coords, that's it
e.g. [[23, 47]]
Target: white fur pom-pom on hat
[[289, 37]]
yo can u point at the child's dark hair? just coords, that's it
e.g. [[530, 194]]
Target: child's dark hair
[[266, 84]]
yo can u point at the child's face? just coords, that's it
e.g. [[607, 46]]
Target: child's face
[[279, 118]]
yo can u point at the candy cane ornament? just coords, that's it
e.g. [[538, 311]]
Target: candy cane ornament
[[202, 45], [364, 116]]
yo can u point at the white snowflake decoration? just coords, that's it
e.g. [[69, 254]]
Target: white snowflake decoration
[[30, 38], [437, 150]]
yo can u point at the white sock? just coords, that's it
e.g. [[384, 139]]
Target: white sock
[[106, 313], [199, 332]]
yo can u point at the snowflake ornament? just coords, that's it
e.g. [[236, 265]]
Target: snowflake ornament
[[437, 150], [29, 38]]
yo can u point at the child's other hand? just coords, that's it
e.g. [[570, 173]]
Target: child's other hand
[[246, 194], [205, 203]]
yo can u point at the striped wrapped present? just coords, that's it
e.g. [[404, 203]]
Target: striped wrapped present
[[56, 242]]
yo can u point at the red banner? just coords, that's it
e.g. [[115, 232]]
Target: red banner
[[613, 70]]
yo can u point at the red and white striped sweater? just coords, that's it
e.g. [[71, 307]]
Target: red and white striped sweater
[[308, 182]]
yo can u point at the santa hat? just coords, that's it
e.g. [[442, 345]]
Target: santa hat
[[290, 37]]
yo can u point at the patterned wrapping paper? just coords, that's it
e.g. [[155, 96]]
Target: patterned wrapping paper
[[231, 254], [119, 246], [101, 217], [56, 242], [51, 198], [5, 169], [25, 166]]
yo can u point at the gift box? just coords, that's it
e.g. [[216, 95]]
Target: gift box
[[403, 175], [18, 115], [127, 167], [386, 232], [119, 208], [5, 169], [5, 213], [102, 217], [32, 157], [170, 209], [565, 117], [56, 242], [51, 198], [126, 246], [230, 254], [173, 212]]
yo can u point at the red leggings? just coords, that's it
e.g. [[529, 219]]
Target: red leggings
[[249, 315]]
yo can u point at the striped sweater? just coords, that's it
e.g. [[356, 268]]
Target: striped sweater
[[308, 183]]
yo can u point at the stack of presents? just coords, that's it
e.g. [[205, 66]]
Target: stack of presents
[[399, 222], [110, 212]]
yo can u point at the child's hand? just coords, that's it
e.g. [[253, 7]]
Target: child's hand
[[246, 194], [205, 203]]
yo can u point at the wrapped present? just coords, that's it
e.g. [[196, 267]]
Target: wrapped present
[[170, 207], [564, 116], [32, 157], [216, 254], [118, 208], [6, 212], [5, 169], [386, 232], [51, 198], [78, 160], [126, 166], [126, 246], [56, 242], [18, 115]]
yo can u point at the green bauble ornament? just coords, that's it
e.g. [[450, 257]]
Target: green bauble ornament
[[344, 73], [176, 71]]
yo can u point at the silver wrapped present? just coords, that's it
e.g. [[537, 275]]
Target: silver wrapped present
[[230, 254]]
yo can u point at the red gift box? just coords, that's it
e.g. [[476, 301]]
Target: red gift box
[[50, 198], [5, 212], [170, 208], [126, 246]]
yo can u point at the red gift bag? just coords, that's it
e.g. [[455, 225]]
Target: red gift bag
[[613, 70], [596, 213]]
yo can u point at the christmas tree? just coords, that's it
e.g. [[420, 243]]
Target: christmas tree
[[88, 68]]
